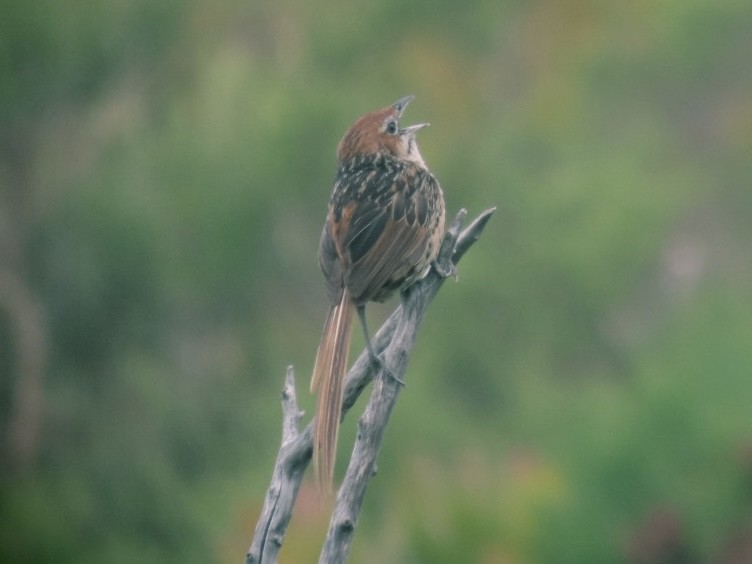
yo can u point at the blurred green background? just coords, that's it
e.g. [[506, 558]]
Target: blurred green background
[[583, 394]]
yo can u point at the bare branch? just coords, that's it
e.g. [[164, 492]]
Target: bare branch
[[292, 459], [395, 341], [471, 234]]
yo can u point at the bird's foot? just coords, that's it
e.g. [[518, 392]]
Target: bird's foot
[[447, 270], [380, 364]]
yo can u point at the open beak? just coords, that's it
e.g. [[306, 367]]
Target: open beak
[[402, 103], [400, 106], [410, 130]]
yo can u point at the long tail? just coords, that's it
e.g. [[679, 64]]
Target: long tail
[[328, 375]]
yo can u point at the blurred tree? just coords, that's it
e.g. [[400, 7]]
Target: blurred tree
[[164, 170]]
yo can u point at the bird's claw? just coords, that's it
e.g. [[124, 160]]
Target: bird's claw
[[447, 270], [391, 374], [379, 363]]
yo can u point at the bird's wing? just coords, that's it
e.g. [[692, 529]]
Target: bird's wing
[[330, 261], [387, 233]]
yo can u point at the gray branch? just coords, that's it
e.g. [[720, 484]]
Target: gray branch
[[394, 341]]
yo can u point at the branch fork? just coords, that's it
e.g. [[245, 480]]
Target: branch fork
[[393, 342]]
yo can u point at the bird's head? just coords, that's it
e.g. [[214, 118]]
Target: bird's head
[[380, 132]]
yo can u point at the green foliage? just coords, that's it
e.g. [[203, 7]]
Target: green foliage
[[164, 171]]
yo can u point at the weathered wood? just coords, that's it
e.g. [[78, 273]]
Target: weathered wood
[[292, 460], [394, 341]]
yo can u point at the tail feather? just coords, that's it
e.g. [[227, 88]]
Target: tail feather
[[328, 375]]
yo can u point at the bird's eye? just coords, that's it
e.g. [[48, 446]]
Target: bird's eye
[[391, 127]]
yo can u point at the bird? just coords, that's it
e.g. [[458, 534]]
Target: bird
[[383, 229]]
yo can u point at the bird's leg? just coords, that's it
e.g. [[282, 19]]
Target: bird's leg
[[371, 353]]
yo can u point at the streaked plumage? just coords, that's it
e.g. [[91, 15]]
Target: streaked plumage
[[382, 232]]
